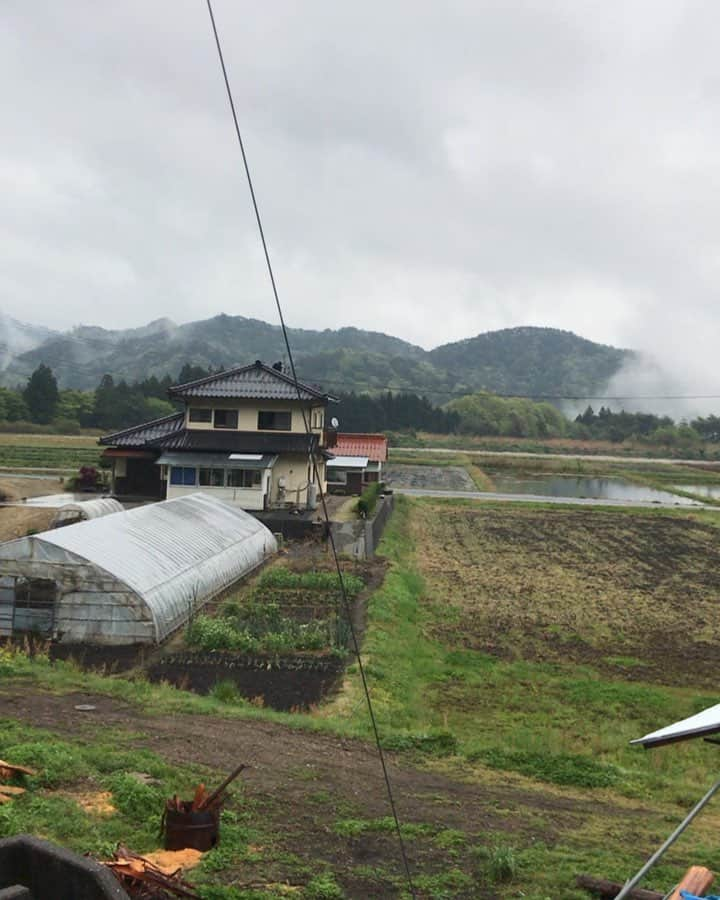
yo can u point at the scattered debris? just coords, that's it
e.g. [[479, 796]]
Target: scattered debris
[[7, 792], [144, 880], [8, 771], [170, 861], [697, 880], [608, 890]]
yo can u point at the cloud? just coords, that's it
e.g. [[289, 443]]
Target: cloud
[[431, 170]]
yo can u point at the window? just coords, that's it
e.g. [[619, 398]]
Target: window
[[336, 476], [226, 418], [212, 477], [182, 475], [34, 605], [198, 414], [244, 478], [317, 420], [274, 421]]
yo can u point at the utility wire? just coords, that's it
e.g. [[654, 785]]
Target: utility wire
[[343, 590]]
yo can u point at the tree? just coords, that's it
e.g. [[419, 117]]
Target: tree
[[41, 395]]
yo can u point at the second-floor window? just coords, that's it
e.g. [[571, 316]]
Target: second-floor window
[[198, 414], [272, 420], [226, 418]]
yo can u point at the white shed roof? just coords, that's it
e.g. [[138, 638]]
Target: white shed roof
[[347, 462]]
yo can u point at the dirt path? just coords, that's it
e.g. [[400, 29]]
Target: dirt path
[[304, 782]]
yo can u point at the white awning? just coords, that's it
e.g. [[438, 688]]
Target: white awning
[[700, 725], [347, 462], [219, 460]]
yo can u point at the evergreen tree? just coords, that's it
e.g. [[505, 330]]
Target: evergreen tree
[[41, 395]]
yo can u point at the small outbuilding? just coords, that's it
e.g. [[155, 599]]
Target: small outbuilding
[[357, 461], [131, 577]]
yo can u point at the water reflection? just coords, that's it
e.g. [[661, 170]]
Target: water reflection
[[573, 486], [703, 490]]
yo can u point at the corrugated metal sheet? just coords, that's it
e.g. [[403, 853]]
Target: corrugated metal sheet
[[255, 382], [172, 556], [91, 509]]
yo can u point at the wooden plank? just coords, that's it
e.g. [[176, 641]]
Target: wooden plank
[[608, 890], [697, 880]]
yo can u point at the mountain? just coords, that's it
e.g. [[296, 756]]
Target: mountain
[[514, 360], [532, 361], [19, 337]]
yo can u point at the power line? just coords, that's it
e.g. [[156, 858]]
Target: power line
[[343, 590]]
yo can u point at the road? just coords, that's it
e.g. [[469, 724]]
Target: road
[[540, 498], [588, 457]]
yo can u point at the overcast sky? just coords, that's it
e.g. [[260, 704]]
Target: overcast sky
[[428, 169]]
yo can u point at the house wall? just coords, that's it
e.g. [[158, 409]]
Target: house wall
[[247, 498], [248, 414], [295, 469]]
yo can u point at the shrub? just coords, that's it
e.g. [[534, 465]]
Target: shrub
[[368, 499]]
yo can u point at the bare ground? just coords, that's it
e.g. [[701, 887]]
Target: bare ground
[[303, 782], [565, 585], [433, 478]]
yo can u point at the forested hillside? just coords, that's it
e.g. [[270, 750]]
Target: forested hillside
[[533, 361]]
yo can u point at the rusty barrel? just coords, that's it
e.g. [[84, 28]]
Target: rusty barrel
[[197, 830]]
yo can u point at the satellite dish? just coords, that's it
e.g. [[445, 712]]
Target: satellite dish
[[334, 422]]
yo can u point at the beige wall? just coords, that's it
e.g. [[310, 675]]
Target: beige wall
[[294, 470], [248, 413]]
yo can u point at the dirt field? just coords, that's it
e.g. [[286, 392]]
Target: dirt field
[[303, 783], [16, 521], [434, 478], [547, 584]]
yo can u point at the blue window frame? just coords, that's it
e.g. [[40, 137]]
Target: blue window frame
[[183, 475]]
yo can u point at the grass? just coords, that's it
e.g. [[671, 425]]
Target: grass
[[559, 721], [518, 649], [48, 451], [423, 440]]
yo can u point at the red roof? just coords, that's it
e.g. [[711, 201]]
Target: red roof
[[374, 446]]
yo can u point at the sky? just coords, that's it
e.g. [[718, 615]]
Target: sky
[[428, 169]]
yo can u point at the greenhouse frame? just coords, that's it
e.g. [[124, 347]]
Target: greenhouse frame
[[131, 577]]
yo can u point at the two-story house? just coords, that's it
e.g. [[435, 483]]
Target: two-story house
[[248, 436]]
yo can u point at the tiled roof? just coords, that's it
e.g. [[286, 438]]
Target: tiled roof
[[374, 446], [140, 435], [237, 441], [255, 382]]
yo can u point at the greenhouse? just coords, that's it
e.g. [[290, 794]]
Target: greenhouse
[[131, 577]]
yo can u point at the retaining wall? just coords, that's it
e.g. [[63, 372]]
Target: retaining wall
[[361, 537]]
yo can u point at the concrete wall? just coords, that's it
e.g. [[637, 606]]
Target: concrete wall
[[360, 538]]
